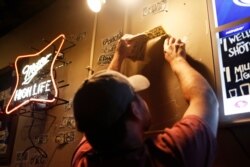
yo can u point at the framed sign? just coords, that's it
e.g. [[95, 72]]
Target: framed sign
[[234, 67], [230, 35]]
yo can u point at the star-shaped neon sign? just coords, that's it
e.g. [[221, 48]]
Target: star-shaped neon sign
[[35, 81]]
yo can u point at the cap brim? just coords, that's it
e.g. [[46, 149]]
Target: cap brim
[[138, 82]]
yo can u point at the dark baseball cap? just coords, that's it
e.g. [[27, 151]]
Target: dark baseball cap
[[104, 97]]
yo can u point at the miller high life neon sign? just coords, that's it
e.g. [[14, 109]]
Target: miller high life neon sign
[[36, 79]]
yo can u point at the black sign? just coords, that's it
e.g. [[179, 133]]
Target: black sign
[[234, 59]]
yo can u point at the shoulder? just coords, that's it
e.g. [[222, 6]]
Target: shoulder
[[189, 126], [188, 140], [78, 158]]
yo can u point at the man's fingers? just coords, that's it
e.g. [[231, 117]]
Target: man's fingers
[[166, 45], [178, 41], [171, 40]]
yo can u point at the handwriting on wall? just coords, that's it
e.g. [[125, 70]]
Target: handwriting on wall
[[154, 8], [108, 48]]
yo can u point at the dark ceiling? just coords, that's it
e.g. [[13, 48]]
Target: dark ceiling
[[15, 12]]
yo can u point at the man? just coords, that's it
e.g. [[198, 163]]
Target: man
[[114, 117]]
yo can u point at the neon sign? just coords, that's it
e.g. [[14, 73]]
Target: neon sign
[[36, 78]]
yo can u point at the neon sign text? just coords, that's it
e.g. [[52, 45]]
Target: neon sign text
[[33, 90], [30, 71]]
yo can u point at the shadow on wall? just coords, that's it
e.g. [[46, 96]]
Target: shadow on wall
[[201, 68], [164, 96]]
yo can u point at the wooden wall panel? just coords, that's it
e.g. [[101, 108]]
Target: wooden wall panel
[[182, 19]]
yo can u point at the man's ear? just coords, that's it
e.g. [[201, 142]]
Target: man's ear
[[135, 109], [140, 112]]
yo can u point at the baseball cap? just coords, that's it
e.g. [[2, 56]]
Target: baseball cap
[[104, 97]]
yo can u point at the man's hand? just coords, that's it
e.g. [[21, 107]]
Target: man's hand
[[174, 48], [129, 46]]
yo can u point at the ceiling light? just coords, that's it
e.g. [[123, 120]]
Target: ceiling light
[[95, 5]]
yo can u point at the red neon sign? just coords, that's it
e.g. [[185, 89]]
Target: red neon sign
[[31, 84]]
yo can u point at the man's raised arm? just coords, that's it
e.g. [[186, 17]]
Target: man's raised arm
[[197, 91]]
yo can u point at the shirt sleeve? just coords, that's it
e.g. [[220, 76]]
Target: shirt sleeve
[[78, 159], [190, 141]]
